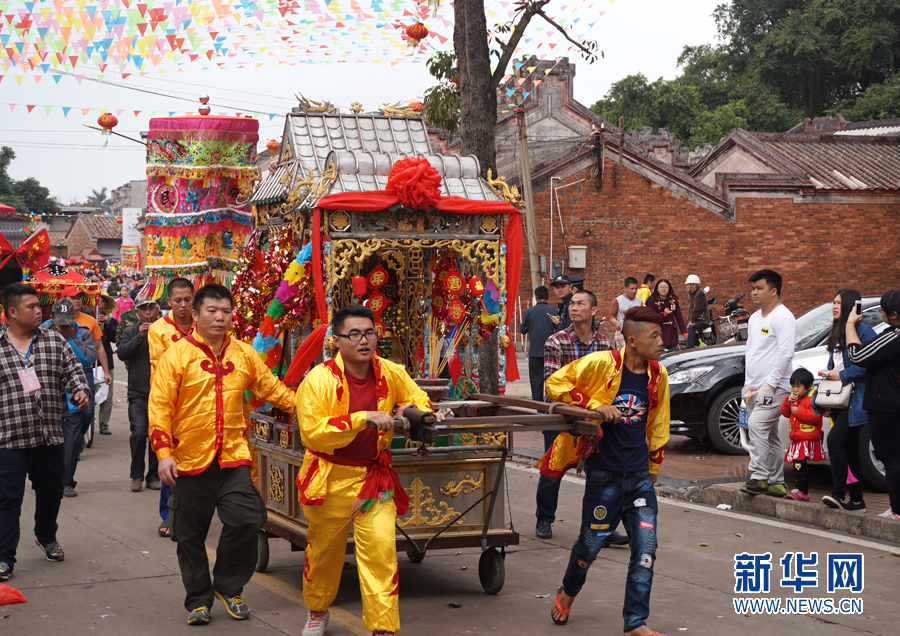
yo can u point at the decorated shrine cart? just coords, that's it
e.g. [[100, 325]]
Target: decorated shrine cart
[[435, 251]]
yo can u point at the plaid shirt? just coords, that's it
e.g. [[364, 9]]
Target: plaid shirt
[[565, 348], [31, 420]]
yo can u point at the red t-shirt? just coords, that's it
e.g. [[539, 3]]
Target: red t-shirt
[[362, 398]]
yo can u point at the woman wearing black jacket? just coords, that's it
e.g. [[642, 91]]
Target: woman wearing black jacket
[[881, 360]]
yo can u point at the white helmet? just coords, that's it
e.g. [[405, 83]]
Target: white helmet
[[693, 279]]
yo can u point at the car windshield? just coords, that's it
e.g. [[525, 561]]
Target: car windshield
[[812, 325]]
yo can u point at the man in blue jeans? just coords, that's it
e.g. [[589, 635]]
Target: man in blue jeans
[[578, 339], [630, 389]]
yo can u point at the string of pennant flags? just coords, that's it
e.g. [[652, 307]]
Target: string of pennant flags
[[136, 36], [65, 110]]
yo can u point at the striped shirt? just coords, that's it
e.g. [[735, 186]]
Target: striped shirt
[[565, 348], [28, 420]]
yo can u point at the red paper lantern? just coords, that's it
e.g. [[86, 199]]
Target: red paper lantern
[[456, 310], [416, 32], [476, 286], [359, 285], [107, 121], [273, 146], [454, 283]]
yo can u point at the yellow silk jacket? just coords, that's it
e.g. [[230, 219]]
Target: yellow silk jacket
[[163, 334], [323, 404], [196, 402], [592, 381]]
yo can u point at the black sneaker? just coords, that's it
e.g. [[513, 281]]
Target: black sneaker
[[617, 540], [105, 431], [53, 551], [199, 616], [5, 571], [544, 530], [834, 502], [756, 487], [235, 607]]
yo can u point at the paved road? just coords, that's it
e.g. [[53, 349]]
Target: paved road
[[120, 579]]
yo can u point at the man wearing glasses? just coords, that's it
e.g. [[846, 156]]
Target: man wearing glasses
[[345, 410]]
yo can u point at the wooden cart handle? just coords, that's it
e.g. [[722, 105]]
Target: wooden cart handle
[[548, 407]]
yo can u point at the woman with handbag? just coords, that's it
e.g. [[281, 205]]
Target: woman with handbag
[[842, 391], [881, 360]]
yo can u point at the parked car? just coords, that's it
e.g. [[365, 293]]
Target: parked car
[[705, 383], [814, 360]]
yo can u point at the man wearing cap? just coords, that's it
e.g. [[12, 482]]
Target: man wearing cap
[[562, 287], [85, 320], [698, 317], [134, 351], [108, 326], [164, 334], [36, 369], [75, 422]]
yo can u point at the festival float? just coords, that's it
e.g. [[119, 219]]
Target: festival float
[[358, 210]]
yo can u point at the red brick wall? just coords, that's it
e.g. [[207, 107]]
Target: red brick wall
[[640, 227], [78, 239]]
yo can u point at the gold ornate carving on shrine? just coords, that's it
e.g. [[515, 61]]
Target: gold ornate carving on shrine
[[262, 430], [424, 511], [503, 189], [276, 484], [284, 439], [464, 486]]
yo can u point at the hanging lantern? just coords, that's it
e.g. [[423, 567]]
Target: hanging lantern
[[377, 277], [273, 146], [416, 32], [456, 311], [378, 302], [476, 286], [359, 285], [107, 121], [454, 283]]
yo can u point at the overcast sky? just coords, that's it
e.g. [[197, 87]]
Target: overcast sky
[[637, 36]]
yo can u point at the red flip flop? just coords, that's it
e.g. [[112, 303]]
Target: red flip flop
[[562, 612]]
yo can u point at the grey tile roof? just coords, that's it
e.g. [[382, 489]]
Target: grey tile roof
[[841, 162], [273, 188]]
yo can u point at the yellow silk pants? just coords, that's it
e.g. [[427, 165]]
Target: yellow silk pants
[[376, 551]]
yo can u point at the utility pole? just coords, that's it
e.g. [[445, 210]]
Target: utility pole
[[534, 257]]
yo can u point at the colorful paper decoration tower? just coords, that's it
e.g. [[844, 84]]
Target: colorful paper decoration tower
[[200, 173]]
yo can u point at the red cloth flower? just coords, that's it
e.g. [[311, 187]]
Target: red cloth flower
[[415, 182]]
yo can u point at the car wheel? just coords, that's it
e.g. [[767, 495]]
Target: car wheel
[[723, 427], [873, 469]]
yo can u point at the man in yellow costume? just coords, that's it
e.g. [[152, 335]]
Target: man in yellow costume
[[344, 411], [162, 335], [630, 389], [197, 429]]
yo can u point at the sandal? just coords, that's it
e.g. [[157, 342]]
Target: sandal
[[163, 529], [562, 612]]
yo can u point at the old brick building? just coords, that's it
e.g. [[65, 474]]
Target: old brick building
[[100, 233], [823, 210], [820, 204]]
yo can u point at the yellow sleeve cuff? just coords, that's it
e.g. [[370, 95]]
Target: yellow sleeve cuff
[[164, 452]]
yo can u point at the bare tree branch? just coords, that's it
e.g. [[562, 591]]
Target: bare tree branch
[[588, 52], [510, 47]]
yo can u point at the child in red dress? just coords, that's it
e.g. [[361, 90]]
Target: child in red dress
[[806, 431]]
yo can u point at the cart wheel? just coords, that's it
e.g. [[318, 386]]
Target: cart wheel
[[262, 547], [491, 571], [416, 556], [89, 436]]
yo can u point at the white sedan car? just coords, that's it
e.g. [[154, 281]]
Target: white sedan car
[[815, 360]]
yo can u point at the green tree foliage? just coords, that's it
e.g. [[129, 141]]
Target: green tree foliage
[[778, 62], [27, 195], [99, 199]]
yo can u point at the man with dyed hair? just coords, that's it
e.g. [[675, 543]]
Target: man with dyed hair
[[630, 389]]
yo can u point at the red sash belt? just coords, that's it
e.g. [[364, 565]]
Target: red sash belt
[[381, 484]]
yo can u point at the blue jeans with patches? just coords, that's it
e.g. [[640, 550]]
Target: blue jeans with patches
[[610, 498]]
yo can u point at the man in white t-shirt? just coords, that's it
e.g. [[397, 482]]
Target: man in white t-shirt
[[771, 334]]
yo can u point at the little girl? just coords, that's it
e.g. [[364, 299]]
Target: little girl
[[806, 431]]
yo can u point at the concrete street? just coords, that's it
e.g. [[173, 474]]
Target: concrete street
[[120, 578]]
